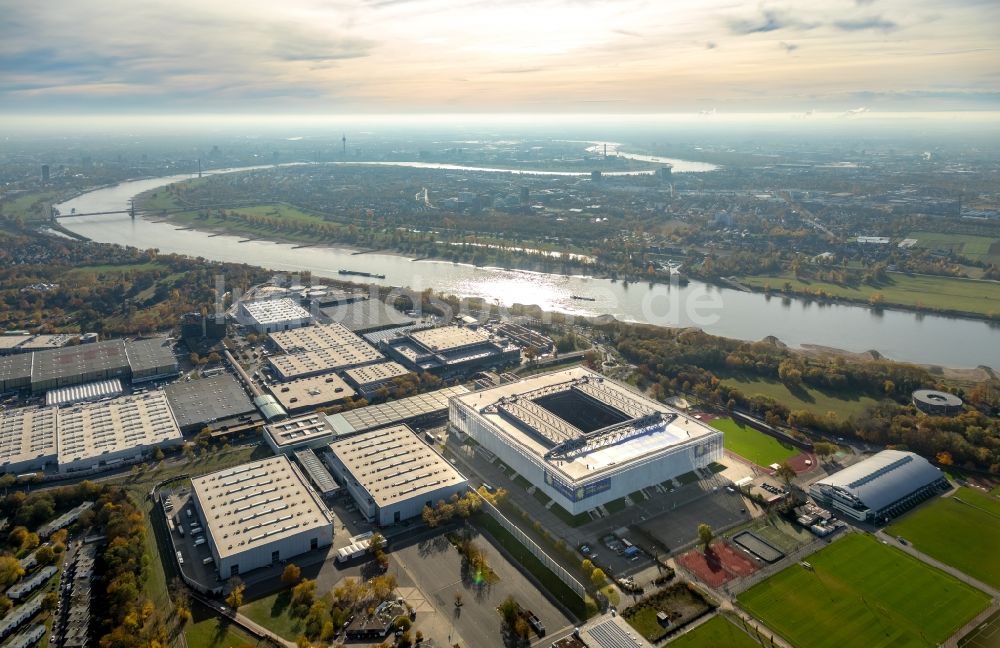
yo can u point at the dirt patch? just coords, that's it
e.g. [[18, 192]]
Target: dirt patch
[[798, 462], [722, 564]]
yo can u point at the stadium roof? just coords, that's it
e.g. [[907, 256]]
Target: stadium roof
[[581, 424], [884, 478], [255, 504], [397, 411], [393, 465]]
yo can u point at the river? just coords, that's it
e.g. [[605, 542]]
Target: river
[[930, 339]]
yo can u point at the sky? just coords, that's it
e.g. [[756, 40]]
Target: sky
[[74, 57]]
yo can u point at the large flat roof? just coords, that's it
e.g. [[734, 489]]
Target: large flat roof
[[392, 465], [397, 411], [274, 311], [305, 393], [447, 338], [639, 427], [376, 373], [89, 430], [16, 367], [257, 503], [27, 434], [204, 400], [315, 338], [107, 355], [300, 430], [295, 365], [366, 315], [151, 356]]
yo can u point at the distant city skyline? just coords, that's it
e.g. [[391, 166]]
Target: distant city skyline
[[556, 56]]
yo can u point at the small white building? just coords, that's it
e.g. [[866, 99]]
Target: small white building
[[271, 315], [259, 514], [392, 474]]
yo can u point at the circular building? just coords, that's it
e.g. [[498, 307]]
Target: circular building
[[937, 403]]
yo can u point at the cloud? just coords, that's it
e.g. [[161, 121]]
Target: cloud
[[769, 20], [711, 45], [856, 111], [861, 24], [788, 47]]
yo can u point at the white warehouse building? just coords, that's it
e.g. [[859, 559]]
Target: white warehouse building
[[582, 439], [271, 315], [259, 514], [392, 474]]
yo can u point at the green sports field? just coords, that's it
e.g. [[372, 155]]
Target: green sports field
[[804, 397], [861, 592], [977, 248], [755, 446], [918, 291], [717, 632], [962, 531]]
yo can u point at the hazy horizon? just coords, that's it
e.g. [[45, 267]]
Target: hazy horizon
[[552, 57]]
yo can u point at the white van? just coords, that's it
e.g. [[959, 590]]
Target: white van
[[208, 561], [180, 558]]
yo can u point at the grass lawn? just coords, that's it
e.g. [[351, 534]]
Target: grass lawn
[[932, 293], [111, 269], [573, 520], [637, 496], [860, 592], [274, 613], [962, 531], [715, 633], [646, 624], [802, 398], [687, 478], [756, 446], [207, 630], [614, 506], [973, 247]]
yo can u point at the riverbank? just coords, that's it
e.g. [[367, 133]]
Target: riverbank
[[920, 294], [286, 223]]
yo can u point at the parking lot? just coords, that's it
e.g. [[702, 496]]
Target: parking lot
[[190, 545], [434, 567]]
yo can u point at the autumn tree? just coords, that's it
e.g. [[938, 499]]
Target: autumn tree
[[291, 575], [235, 598], [705, 536], [786, 473]]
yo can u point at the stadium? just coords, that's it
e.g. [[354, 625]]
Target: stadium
[[582, 439]]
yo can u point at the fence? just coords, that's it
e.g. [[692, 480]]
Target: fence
[[533, 547]]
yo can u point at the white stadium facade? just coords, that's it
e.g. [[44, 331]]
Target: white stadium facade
[[582, 439]]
